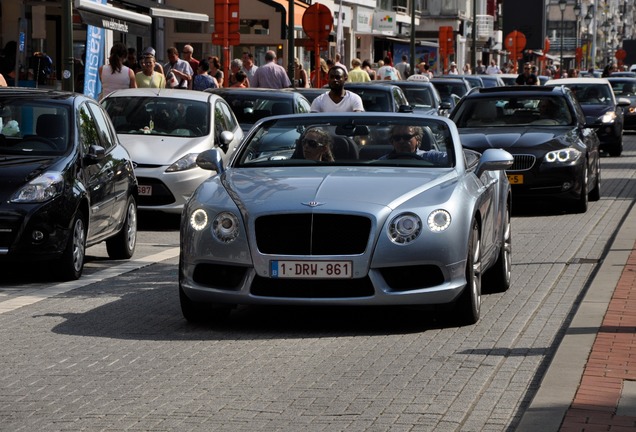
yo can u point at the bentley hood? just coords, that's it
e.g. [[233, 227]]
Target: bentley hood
[[338, 188]]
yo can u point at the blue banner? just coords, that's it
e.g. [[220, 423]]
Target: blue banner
[[94, 58]]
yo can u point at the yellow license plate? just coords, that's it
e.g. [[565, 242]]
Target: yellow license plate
[[515, 178]]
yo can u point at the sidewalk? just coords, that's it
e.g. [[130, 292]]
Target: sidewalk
[[590, 385]]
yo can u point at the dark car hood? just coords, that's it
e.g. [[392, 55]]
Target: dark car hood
[[507, 138], [593, 112], [16, 170]]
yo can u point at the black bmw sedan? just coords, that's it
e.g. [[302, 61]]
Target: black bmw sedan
[[66, 183], [556, 153]]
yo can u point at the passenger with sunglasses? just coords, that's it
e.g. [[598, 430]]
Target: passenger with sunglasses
[[317, 145], [527, 77], [407, 142]]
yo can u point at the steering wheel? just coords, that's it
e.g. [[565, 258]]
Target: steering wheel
[[404, 156], [39, 140]]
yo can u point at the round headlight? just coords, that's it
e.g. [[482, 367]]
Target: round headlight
[[405, 228], [198, 219], [439, 220], [225, 227]]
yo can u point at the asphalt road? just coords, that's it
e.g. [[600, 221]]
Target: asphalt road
[[112, 351]]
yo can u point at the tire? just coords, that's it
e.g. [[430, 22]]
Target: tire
[[71, 265], [617, 148], [200, 312], [595, 193], [497, 278], [580, 205], [122, 245], [468, 306]]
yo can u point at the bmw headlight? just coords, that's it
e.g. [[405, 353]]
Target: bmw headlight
[[225, 227], [198, 219], [439, 220], [187, 162], [608, 117], [562, 156], [40, 189], [405, 228]]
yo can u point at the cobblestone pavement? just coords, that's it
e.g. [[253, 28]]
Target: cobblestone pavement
[[117, 355]]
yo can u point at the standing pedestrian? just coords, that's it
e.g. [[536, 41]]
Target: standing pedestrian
[[188, 51], [453, 69], [131, 60], [337, 99], [366, 66], [114, 75], [235, 68], [216, 71], [300, 75], [467, 70], [271, 74], [481, 69], [356, 74], [149, 77], [203, 80], [240, 80], [178, 72], [493, 69], [404, 67], [387, 71], [527, 77], [248, 65], [320, 79]]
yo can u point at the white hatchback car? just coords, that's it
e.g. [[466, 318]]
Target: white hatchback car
[[164, 131]]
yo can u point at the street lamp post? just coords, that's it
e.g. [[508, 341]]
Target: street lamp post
[[562, 5], [588, 21], [577, 14]]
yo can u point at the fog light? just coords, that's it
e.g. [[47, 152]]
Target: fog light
[[566, 186], [37, 236]]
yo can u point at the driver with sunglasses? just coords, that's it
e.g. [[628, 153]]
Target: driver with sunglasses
[[406, 141]]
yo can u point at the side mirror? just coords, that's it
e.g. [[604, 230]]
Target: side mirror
[[225, 140], [95, 154], [211, 160], [405, 109], [623, 102], [494, 160]]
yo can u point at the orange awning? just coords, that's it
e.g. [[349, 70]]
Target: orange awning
[[299, 10]]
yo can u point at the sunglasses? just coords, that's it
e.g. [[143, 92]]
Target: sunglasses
[[405, 137], [312, 143]]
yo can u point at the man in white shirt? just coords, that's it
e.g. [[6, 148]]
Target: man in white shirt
[[493, 69], [337, 99]]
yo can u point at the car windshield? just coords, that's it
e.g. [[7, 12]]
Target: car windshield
[[593, 94], [136, 115], [419, 97], [624, 88], [517, 111], [447, 90], [367, 140], [34, 128], [374, 100], [250, 108]]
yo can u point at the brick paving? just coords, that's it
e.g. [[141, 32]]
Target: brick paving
[[612, 361]]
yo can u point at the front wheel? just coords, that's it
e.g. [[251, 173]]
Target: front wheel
[[468, 305], [71, 264], [497, 278], [595, 193], [580, 205], [122, 245]]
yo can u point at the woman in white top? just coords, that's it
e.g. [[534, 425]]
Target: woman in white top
[[115, 75]]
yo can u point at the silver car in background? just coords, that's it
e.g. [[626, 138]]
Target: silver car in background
[[369, 226], [164, 131]]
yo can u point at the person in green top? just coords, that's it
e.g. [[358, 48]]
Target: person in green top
[[149, 77], [356, 74]]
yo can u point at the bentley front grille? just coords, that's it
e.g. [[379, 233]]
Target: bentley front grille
[[309, 234]]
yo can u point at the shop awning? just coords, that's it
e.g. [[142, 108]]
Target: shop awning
[[112, 18]]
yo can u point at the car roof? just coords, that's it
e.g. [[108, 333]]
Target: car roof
[[524, 90], [165, 93], [29, 93], [585, 80], [250, 91]]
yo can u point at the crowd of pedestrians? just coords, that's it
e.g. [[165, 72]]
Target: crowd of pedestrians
[[126, 69]]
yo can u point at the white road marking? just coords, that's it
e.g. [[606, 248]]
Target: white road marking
[[32, 296]]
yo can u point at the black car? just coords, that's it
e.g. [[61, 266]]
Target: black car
[[451, 90], [66, 183], [386, 98], [556, 153], [252, 104], [601, 108], [310, 93], [421, 95], [625, 87]]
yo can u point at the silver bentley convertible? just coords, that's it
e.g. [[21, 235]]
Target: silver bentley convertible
[[347, 209]]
